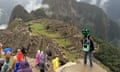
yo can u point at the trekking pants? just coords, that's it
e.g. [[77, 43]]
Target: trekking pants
[[17, 66], [42, 67], [42, 70], [90, 58]]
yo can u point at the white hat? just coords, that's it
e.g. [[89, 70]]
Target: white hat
[[38, 51]]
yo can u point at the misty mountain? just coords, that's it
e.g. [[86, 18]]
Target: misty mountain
[[111, 7], [86, 15], [7, 6], [70, 9], [20, 12], [83, 14], [105, 53], [39, 13]]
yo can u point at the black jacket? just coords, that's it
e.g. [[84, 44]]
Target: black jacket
[[91, 45], [24, 51]]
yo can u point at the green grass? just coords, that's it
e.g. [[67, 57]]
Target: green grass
[[70, 56], [40, 29], [62, 42]]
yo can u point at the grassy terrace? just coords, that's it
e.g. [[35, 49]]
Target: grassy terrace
[[40, 29]]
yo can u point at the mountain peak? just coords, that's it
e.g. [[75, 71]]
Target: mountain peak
[[19, 12]]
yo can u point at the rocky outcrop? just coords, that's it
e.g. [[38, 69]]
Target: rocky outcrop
[[80, 67]]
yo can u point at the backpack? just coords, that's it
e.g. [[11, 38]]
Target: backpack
[[42, 58], [5, 67], [42, 61], [86, 45], [1, 63], [24, 51], [24, 67], [48, 52]]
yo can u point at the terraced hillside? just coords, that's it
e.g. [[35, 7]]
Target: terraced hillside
[[67, 37], [63, 38]]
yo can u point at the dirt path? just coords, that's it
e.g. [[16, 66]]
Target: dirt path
[[32, 65], [73, 67], [36, 69]]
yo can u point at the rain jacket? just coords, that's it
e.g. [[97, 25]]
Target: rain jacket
[[55, 63], [37, 59], [19, 56]]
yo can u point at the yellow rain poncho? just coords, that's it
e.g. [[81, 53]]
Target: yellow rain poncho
[[55, 63]]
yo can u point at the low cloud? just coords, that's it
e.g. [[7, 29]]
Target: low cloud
[[0, 13], [78, 0], [3, 26], [35, 4], [93, 2]]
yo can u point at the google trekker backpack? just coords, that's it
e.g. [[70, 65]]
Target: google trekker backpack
[[86, 45]]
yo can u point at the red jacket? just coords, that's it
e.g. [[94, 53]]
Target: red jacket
[[19, 56]]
